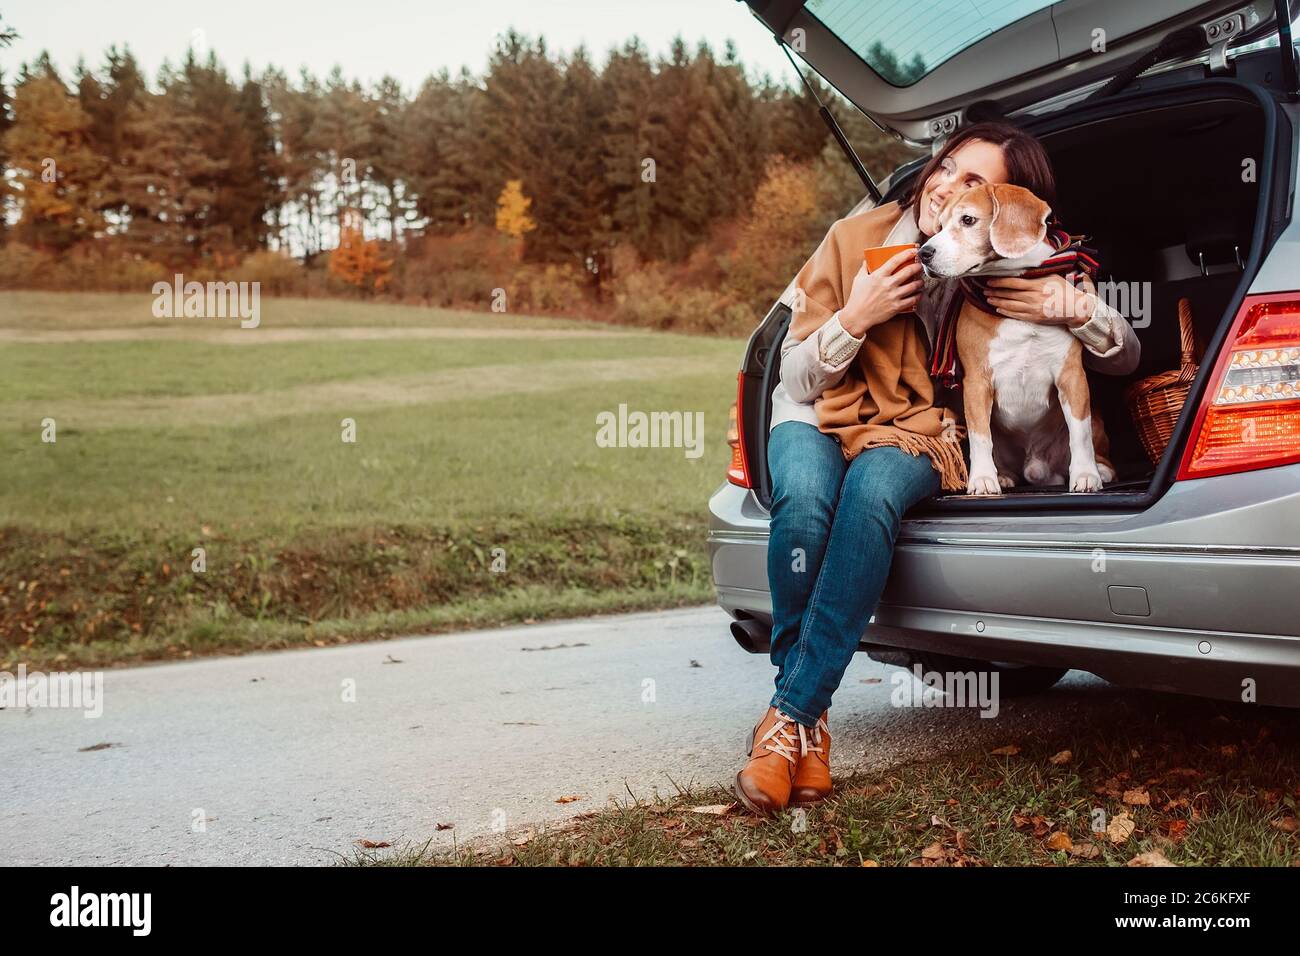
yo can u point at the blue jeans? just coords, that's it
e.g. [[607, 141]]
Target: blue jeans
[[833, 529]]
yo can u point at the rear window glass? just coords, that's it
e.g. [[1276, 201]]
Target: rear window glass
[[903, 40]]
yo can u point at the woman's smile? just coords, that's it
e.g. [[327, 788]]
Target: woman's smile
[[971, 164]]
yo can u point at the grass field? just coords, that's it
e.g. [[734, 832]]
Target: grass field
[[473, 432]]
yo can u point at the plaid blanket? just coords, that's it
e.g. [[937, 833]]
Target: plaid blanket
[[1072, 259]]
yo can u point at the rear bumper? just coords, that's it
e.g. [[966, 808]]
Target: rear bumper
[[1195, 595]]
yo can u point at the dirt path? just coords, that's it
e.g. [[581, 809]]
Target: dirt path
[[268, 336], [355, 395]]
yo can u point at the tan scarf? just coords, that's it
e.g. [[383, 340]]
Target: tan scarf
[[886, 396]]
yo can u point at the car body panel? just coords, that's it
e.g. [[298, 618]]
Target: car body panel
[[1212, 556]]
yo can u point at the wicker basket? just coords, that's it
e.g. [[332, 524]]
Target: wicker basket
[[1156, 401]]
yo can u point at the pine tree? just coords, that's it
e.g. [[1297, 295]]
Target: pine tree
[[627, 149], [253, 182], [443, 156], [569, 226], [168, 176], [107, 99], [300, 160], [341, 135], [520, 116]]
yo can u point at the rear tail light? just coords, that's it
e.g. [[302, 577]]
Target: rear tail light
[[738, 470], [1250, 415]]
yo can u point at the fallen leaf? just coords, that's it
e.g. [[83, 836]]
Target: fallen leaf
[[1150, 858], [870, 680], [1059, 841], [569, 799], [1010, 750], [443, 826], [1137, 798], [1120, 828], [1085, 851], [372, 845], [1061, 758], [524, 839], [1177, 830], [1285, 824], [715, 809], [870, 863], [933, 852]]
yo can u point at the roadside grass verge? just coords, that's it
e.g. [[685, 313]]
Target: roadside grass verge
[[474, 494], [1219, 790]]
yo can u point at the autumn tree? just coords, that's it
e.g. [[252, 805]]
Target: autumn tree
[[782, 225], [512, 211], [356, 261], [54, 164]]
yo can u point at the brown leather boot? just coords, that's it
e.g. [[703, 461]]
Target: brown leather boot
[[763, 785], [812, 777]]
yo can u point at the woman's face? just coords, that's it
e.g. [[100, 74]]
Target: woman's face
[[970, 164]]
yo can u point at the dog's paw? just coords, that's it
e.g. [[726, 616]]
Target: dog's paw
[[1106, 471], [1006, 481], [1086, 481], [983, 485]]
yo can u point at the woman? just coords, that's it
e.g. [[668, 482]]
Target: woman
[[845, 471]]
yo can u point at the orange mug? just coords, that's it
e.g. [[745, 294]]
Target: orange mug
[[879, 255]]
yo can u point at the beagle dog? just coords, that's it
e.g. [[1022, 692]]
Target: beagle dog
[[1025, 392]]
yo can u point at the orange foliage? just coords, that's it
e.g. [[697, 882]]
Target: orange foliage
[[356, 261]]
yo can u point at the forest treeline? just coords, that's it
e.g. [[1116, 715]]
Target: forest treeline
[[677, 191]]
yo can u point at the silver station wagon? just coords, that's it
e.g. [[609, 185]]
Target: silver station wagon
[[1173, 129]]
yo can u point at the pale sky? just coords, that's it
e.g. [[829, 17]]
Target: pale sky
[[368, 38]]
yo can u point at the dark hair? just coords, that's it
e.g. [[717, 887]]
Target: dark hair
[[1026, 160]]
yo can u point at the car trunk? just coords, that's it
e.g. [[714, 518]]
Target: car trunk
[[1160, 180]]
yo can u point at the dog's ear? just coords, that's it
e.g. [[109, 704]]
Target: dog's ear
[[1019, 220]]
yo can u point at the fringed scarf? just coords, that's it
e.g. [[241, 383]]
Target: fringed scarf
[[886, 397], [1072, 259]]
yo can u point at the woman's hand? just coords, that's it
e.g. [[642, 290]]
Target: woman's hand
[[879, 296], [1050, 300]]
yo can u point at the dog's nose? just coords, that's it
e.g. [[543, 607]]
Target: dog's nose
[[926, 254]]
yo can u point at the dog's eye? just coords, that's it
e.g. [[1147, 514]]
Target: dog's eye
[[968, 220]]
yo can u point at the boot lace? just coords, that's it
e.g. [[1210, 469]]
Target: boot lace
[[786, 737], [816, 733]]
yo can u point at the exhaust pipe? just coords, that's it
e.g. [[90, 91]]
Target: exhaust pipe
[[753, 636]]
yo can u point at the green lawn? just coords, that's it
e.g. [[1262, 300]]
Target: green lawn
[[473, 431]]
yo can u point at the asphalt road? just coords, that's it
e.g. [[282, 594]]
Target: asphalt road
[[477, 730]]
